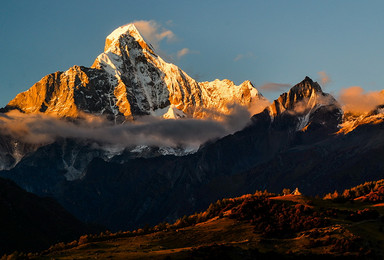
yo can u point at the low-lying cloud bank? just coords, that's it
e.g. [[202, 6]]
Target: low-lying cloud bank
[[44, 129], [151, 131]]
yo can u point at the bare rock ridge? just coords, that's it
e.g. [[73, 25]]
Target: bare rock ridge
[[67, 94], [308, 104], [304, 96], [128, 80]]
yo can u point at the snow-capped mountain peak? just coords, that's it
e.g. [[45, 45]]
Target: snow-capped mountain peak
[[301, 98], [128, 30], [129, 80], [308, 103]]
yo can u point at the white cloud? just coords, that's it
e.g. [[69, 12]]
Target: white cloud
[[154, 32], [324, 78], [258, 105], [244, 56], [238, 57], [183, 52]]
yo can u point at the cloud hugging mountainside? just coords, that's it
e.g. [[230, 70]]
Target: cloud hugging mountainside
[[134, 140]]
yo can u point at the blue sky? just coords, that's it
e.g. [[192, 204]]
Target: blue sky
[[262, 41]]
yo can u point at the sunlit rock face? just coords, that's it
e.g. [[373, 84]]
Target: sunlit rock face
[[66, 94], [129, 80], [307, 92], [351, 121], [309, 105]]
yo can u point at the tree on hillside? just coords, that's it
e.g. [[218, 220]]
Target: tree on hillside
[[286, 191]]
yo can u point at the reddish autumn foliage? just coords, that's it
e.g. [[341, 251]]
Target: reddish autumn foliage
[[375, 196], [275, 219], [363, 214]]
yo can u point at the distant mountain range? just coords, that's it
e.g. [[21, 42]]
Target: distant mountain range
[[303, 139]]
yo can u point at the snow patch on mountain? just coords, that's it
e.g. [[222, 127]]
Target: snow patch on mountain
[[302, 101], [149, 151], [303, 122], [352, 121], [174, 113]]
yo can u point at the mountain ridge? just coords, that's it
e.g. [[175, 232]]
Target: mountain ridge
[[129, 80], [149, 190]]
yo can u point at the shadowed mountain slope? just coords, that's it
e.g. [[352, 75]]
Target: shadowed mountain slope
[[31, 223]]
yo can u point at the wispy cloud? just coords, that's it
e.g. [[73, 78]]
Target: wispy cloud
[[324, 78], [244, 56], [274, 87], [258, 105], [356, 100], [238, 57], [154, 32], [183, 52]]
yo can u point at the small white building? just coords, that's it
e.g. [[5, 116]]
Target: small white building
[[296, 192]]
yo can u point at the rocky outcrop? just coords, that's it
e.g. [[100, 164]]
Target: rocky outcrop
[[306, 108], [306, 101], [68, 94]]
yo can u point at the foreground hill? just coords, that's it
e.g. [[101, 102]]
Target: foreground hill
[[261, 225], [30, 223]]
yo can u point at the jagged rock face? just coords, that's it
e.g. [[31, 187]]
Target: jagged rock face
[[306, 91], [12, 151], [128, 80], [67, 94], [218, 94], [352, 120], [309, 105], [301, 98]]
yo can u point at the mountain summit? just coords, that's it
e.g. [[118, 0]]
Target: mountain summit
[[308, 105], [303, 96], [128, 80]]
